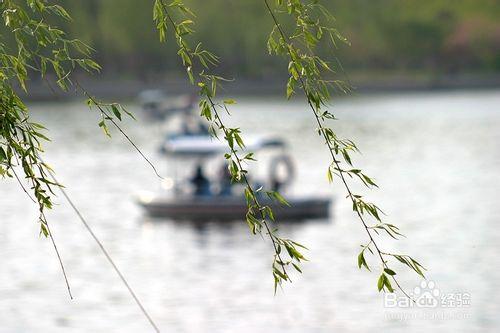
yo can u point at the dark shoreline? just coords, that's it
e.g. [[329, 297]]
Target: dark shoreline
[[129, 89]]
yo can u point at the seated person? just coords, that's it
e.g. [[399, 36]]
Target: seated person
[[225, 181], [200, 182]]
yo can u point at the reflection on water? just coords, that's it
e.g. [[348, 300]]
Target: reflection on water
[[434, 155]]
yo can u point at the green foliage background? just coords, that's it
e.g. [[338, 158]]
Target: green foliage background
[[447, 36]]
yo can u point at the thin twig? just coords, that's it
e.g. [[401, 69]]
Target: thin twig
[[51, 236], [45, 222], [108, 117], [22, 185], [105, 252], [87, 226]]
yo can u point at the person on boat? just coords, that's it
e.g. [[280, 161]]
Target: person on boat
[[225, 181], [200, 182]]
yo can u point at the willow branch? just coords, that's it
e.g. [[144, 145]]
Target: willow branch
[[329, 145]]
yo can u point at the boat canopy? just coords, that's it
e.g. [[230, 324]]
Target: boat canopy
[[205, 146]]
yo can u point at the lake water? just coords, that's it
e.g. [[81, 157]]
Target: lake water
[[435, 156]]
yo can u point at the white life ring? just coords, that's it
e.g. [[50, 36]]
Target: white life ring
[[281, 162]]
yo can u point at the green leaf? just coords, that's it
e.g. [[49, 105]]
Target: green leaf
[[329, 175], [381, 282], [290, 88], [116, 112], [61, 12], [269, 212], [249, 157], [362, 261], [280, 274], [43, 229], [388, 285], [104, 127], [3, 156], [278, 197]]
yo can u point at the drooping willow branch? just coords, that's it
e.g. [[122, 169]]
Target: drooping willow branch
[[40, 47], [113, 113], [258, 215], [306, 70]]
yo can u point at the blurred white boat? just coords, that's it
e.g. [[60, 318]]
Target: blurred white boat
[[194, 196]]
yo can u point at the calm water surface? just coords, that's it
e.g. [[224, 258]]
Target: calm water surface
[[434, 155]]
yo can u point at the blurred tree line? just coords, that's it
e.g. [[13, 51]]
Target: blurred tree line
[[444, 36]]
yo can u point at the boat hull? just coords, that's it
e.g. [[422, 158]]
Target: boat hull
[[226, 209]]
